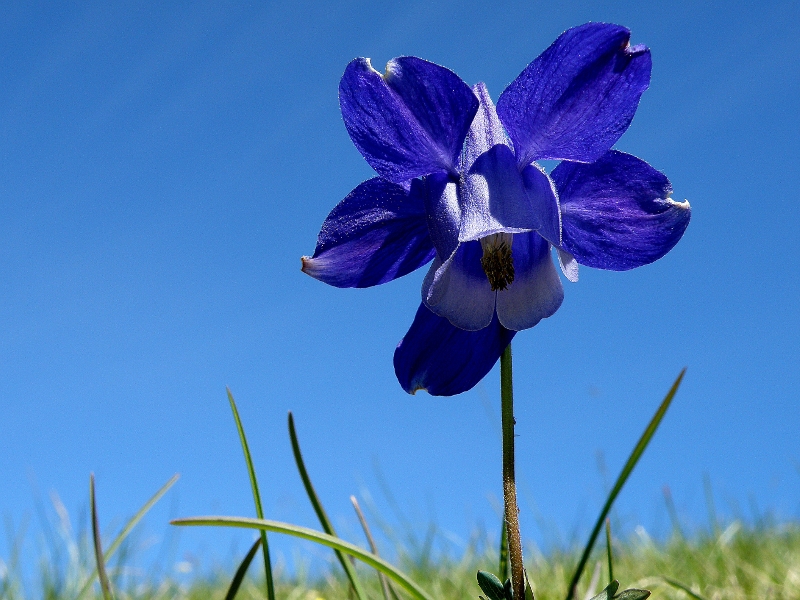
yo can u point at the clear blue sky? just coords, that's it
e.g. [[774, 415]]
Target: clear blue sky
[[163, 166]]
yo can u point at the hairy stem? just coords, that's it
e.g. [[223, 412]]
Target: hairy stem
[[509, 482]]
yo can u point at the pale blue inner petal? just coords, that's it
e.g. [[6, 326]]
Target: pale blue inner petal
[[536, 292], [458, 290], [491, 191], [493, 198]]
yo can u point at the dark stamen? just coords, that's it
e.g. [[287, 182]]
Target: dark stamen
[[498, 265]]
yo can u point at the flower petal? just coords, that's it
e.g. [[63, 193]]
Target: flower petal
[[443, 359], [543, 198], [491, 191], [376, 234], [537, 291], [578, 97], [458, 289], [568, 264], [493, 197], [439, 194], [486, 129], [617, 213], [410, 122]]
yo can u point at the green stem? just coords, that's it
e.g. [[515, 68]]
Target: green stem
[[509, 482]]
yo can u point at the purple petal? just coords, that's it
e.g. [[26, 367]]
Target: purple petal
[[376, 234], [493, 197], [491, 192], [542, 197], [617, 213], [446, 360], [578, 97], [439, 194], [458, 289], [410, 122], [486, 130], [490, 197], [537, 291]]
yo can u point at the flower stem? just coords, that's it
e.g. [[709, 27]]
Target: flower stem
[[509, 482]]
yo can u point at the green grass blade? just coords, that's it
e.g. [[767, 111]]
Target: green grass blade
[[372, 546], [323, 517], [105, 584], [608, 551], [672, 512], [242, 570], [678, 585], [127, 529], [9, 588], [528, 588], [623, 477], [325, 539], [256, 495], [710, 506]]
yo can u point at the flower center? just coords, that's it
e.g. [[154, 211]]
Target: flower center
[[496, 261]]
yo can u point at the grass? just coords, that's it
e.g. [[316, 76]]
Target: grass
[[740, 561], [736, 562]]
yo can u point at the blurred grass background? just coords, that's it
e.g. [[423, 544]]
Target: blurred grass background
[[732, 560]]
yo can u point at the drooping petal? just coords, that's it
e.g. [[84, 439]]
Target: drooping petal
[[617, 212], [536, 292], [410, 122], [578, 97], [458, 290], [491, 191], [542, 196], [376, 234], [443, 359]]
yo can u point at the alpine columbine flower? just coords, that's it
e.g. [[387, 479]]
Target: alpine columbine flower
[[459, 185]]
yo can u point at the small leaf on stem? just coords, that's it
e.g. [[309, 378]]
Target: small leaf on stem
[[491, 586]]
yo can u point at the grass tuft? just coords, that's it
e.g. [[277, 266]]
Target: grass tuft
[[735, 561]]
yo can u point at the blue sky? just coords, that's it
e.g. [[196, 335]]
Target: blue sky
[[163, 166]]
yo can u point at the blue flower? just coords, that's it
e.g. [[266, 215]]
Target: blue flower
[[459, 185]]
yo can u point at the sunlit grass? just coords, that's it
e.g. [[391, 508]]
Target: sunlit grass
[[720, 563], [734, 562]]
